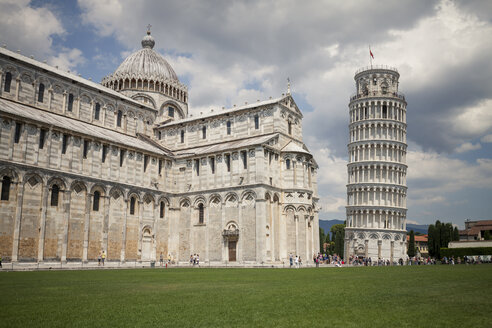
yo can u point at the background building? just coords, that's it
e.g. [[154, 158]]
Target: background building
[[376, 189], [124, 168]]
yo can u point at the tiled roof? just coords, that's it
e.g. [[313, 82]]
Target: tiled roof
[[292, 147], [67, 123], [229, 145], [423, 238]]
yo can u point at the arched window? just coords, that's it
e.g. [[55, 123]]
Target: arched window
[[41, 93], [161, 211], [70, 102], [6, 181], [200, 213], [287, 164], [170, 112], [97, 110], [8, 81], [257, 122], [182, 136], [55, 191], [204, 132], [118, 118], [385, 111], [290, 128], [95, 201], [228, 127], [132, 206]]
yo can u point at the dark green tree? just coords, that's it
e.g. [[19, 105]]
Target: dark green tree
[[430, 240], [321, 239], [411, 245], [339, 243], [335, 228], [486, 235], [456, 234]]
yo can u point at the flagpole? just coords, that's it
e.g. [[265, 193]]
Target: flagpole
[[370, 57]]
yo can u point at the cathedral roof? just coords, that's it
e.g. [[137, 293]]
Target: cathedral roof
[[67, 123], [146, 64], [292, 147]]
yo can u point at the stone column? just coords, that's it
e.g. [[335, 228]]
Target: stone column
[[86, 226], [207, 233], [123, 232], [66, 205], [392, 251], [140, 226], [308, 250], [154, 230], [366, 246], [42, 224], [107, 202], [17, 88], [18, 218], [379, 248], [296, 219], [260, 230]]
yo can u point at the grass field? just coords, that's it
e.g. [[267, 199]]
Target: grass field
[[417, 296]]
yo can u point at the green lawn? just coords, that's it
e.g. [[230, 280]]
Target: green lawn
[[417, 296]]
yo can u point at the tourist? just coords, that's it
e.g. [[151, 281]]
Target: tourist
[[300, 261], [0, 261], [198, 259], [169, 258], [296, 261], [99, 259], [161, 259], [291, 260], [103, 257], [191, 259]]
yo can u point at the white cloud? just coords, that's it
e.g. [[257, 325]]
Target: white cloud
[[31, 30], [487, 138], [467, 146]]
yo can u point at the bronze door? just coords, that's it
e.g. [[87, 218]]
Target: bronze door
[[232, 251]]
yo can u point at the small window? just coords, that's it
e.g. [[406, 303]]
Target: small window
[[228, 127], [70, 102], [8, 81], [64, 143], [204, 132], [287, 164], [86, 148], [95, 201], [6, 181], [257, 122], [97, 110], [104, 153], [200, 213], [160, 166], [18, 129], [42, 137], [385, 111], [146, 162], [197, 167], [212, 164], [290, 128], [132, 206], [118, 118], [374, 81], [41, 93], [170, 112], [182, 136], [122, 157], [55, 191], [160, 135], [227, 158], [244, 156], [161, 210]]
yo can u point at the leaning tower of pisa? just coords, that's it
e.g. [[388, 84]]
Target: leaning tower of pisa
[[376, 189]]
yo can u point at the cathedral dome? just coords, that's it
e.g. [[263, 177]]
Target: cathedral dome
[[146, 64]]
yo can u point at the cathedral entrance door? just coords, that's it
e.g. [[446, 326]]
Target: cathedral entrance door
[[146, 245], [232, 251]]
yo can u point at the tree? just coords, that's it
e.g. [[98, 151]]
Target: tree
[[486, 235], [430, 240], [339, 243], [411, 245], [335, 228], [321, 239], [456, 234]]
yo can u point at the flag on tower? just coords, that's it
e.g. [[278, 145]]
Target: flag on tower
[[370, 53]]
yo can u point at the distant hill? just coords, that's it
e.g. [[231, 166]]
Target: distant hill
[[327, 224]]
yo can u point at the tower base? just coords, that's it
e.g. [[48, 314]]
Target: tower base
[[376, 244]]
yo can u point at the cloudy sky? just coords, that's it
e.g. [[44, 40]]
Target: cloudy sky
[[229, 52]]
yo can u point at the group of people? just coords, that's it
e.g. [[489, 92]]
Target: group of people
[[297, 261], [101, 258], [194, 259], [168, 261]]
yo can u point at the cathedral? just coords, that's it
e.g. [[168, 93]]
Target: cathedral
[[123, 168]]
